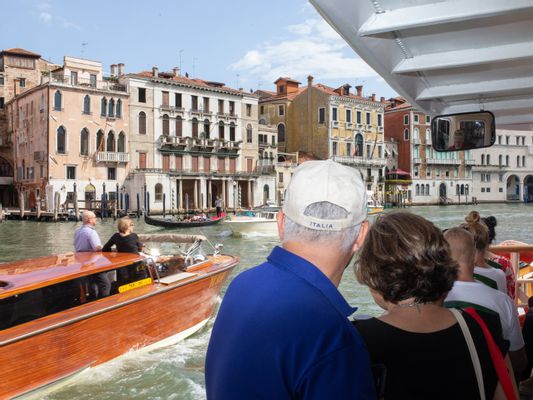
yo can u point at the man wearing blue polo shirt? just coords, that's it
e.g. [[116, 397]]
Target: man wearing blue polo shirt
[[282, 331]]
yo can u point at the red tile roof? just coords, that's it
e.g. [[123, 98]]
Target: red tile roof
[[287, 79], [188, 81], [20, 52], [283, 96]]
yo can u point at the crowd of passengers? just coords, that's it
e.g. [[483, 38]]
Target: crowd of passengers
[[449, 330]]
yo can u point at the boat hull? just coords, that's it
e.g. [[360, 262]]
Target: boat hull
[[252, 226], [165, 223], [52, 348]]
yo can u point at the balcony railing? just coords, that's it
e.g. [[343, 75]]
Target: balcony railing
[[84, 83], [108, 156], [371, 162]]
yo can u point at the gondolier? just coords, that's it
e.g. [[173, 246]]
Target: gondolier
[[218, 205]]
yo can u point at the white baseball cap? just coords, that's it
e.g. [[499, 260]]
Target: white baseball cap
[[325, 180]]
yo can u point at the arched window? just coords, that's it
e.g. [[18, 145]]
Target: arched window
[[417, 190], [207, 125], [84, 142], [416, 134], [281, 133], [221, 130], [507, 161], [462, 189], [118, 109], [142, 123], [457, 189], [57, 100], [5, 168], [406, 133], [232, 132], [166, 125], [427, 189], [86, 104], [110, 141], [482, 159], [428, 136], [488, 159], [121, 145], [158, 192], [358, 151], [249, 134], [194, 128], [100, 141], [61, 140], [179, 126], [103, 106], [517, 161], [500, 160], [111, 108]]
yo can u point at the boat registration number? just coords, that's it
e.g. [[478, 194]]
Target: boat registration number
[[133, 285]]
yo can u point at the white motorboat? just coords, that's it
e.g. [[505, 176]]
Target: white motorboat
[[254, 223]]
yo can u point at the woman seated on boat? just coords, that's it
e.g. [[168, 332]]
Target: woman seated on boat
[[500, 262], [483, 272], [406, 263], [125, 240]]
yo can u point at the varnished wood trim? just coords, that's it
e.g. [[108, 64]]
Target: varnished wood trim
[[162, 289]]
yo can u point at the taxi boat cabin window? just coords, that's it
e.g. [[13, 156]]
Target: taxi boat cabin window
[[53, 299]]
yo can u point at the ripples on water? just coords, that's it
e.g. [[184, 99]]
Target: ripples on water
[[176, 372]]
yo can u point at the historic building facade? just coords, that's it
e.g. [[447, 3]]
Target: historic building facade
[[70, 135], [503, 172], [193, 141], [437, 177], [20, 70]]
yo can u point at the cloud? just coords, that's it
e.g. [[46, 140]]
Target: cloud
[[46, 16], [314, 48]]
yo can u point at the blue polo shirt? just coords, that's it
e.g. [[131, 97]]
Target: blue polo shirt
[[282, 333]]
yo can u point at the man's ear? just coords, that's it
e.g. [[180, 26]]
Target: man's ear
[[361, 236], [280, 219]]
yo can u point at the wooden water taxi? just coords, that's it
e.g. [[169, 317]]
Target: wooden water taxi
[[52, 328]]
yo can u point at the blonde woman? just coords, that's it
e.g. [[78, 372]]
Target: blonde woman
[[124, 240]]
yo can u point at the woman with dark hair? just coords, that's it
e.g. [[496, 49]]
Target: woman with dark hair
[[483, 272], [500, 262], [406, 263]]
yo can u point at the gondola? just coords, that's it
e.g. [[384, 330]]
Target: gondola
[[172, 223]]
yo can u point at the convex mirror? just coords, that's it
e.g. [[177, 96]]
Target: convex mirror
[[463, 131]]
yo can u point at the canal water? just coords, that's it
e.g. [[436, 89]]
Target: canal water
[[176, 372]]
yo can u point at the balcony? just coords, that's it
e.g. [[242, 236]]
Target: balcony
[[108, 156], [380, 129], [359, 126], [334, 124], [171, 109], [470, 161], [368, 162], [369, 179], [111, 85], [178, 142], [227, 145], [349, 125], [443, 161]]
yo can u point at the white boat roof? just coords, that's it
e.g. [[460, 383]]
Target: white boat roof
[[446, 56]]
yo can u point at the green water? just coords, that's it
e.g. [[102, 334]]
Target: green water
[[176, 372]]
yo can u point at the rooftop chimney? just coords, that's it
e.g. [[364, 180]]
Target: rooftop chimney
[[310, 80], [359, 89], [373, 97], [113, 69], [176, 71], [382, 99], [120, 69], [155, 72]]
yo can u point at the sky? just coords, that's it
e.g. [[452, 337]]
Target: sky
[[243, 43]]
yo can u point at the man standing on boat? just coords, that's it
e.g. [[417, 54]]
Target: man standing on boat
[[86, 239], [282, 331], [218, 206]]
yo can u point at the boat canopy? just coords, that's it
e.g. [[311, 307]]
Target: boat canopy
[[25, 275], [446, 57]]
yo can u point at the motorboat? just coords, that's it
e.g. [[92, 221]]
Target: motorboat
[[188, 222], [373, 205], [52, 327], [254, 223]]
